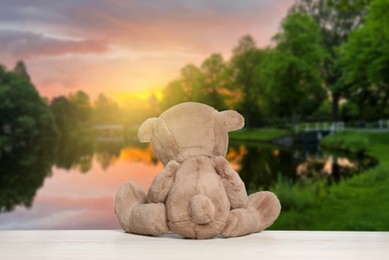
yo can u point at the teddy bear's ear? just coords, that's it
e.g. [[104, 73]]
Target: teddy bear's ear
[[145, 131], [233, 119]]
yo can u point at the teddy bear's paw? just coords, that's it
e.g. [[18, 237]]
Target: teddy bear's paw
[[266, 205], [128, 195], [172, 167]]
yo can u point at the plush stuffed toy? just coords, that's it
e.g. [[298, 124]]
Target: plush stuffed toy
[[197, 194]]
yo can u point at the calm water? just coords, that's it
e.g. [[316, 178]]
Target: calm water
[[71, 184]]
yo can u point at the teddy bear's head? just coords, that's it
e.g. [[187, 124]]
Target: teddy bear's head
[[189, 129]]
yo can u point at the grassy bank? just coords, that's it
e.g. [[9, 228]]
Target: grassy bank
[[356, 142], [259, 135], [359, 203]]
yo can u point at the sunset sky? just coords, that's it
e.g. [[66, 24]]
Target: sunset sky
[[125, 47]]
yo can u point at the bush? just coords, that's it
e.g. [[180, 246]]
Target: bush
[[299, 195]]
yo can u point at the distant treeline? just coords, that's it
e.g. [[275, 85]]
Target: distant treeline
[[23, 112]]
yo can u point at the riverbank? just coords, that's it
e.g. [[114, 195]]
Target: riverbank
[[359, 203], [258, 135]]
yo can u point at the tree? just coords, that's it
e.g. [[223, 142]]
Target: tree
[[191, 82], [214, 81], [244, 74], [64, 115], [336, 19], [349, 5], [292, 69], [71, 113], [106, 111], [204, 84], [21, 69], [173, 94], [365, 62], [82, 106], [21, 106]]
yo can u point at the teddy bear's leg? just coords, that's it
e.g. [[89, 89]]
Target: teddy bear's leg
[[263, 209], [267, 206], [135, 216]]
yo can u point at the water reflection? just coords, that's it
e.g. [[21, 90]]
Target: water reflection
[[71, 183], [261, 165], [23, 168]]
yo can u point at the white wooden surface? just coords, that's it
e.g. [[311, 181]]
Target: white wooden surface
[[107, 244]]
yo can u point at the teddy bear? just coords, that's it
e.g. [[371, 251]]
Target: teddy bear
[[197, 194]]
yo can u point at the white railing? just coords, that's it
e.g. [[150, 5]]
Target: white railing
[[383, 123], [320, 126]]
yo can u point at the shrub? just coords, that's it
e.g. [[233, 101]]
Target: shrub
[[301, 194]]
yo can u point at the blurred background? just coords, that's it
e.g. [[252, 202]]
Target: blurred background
[[311, 78]]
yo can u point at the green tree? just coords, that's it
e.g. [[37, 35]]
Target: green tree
[[64, 115], [71, 113], [197, 84], [107, 111], [21, 69], [349, 5], [244, 73], [82, 106], [336, 19], [173, 94], [214, 81], [183, 89], [292, 69], [21, 107], [365, 62], [191, 82]]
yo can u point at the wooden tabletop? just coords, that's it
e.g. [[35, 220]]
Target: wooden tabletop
[[106, 244]]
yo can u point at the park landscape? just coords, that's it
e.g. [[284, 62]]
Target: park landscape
[[326, 66]]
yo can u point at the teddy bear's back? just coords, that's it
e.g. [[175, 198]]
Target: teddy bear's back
[[197, 176]]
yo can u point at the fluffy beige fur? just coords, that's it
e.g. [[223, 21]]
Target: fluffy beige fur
[[197, 194]]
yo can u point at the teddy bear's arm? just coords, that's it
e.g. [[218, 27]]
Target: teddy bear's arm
[[233, 184], [162, 183]]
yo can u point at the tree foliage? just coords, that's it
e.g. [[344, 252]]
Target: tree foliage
[[106, 111], [292, 69], [82, 106], [21, 107], [204, 84], [244, 69], [214, 81], [72, 113], [336, 20], [365, 62]]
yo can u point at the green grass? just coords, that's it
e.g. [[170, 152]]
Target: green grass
[[358, 203], [262, 134], [300, 195], [356, 142]]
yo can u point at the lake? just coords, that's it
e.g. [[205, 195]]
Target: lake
[[71, 183]]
